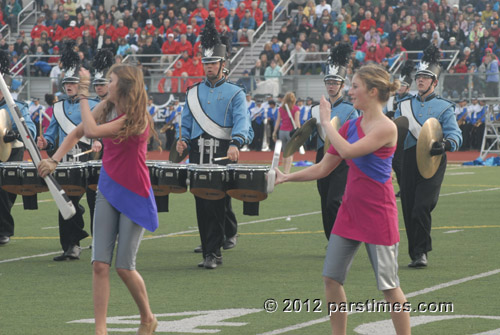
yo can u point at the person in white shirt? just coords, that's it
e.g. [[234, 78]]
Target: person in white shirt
[[321, 7]]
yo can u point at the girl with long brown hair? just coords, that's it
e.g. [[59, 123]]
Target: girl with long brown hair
[[125, 202]]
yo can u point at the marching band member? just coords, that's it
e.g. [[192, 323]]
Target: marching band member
[[215, 123], [403, 91], [389, 110], [125, 204], [419, 196], [11, 137], [257, 115], [331, 188], [368, 212], [67, 117]]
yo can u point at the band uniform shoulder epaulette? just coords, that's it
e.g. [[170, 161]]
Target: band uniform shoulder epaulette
[[24, 104], [194, 85]]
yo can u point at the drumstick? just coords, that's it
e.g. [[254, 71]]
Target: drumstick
[[220, 158], [83, 153], [40, 118]]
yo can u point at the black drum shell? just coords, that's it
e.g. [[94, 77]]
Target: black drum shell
[[72, 177], [208, 181], [247, 182], [93, 173], [172, 177]]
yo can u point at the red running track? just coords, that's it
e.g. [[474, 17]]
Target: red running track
[[259, 157]]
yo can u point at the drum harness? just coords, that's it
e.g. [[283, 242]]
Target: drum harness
[[208, 126]]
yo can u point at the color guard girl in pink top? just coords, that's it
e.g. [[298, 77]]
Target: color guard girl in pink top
[[368, 212], [125, 202]]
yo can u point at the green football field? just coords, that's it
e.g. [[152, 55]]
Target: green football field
[[276, 265]]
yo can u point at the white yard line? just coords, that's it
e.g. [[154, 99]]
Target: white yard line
[[408, 295]]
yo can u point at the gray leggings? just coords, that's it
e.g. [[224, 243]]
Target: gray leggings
[[111, 226]]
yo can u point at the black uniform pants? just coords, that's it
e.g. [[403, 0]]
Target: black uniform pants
[[215, 218], [419, 196], [7, 199], [331, 190], [71, 231]]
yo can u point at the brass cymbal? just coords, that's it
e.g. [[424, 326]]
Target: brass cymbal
[[299, 138], [431, 132], [336, 124], [174, 156], [5, 126], [402, 124]]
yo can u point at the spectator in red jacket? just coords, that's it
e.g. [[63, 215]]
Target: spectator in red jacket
[[149, 28], [170, 47], [371, 54], [1, 18], [185, 45], [72, 32], [56, 32], [180, 25], [109, 30], [221, 11], [212, 4], [54, 59], [425, 19], [383, 50], [368, 22], [88, 26], [36, 32], [240, 11], [200, 13], [120, 31], [257, 14], [195, 68], [196, 27]]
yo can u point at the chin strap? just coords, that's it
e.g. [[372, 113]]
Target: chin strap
[[428, 89]]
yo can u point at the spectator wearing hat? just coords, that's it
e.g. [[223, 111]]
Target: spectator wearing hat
[[72, 32], [324, 24], [170, 47], [221, 12], [180, 25], [149, 27]]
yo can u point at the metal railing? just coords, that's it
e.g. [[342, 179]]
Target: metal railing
[[28, 11], [452, 59], [158, 66], [5, 32], [282, 6]]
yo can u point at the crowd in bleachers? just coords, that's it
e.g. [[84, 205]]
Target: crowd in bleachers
[[379, 30], [153, 28]]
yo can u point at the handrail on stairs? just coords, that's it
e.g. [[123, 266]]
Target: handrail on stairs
[[26, 10]]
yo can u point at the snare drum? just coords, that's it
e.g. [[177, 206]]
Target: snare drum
[[20, 178], [172, 177], [247, 182], [208, 181], [151, 164], [32, 182], [93, 172], [72, 177]]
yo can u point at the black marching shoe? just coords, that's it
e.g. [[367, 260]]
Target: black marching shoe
[[419, 262], [229, 243], [4, 239], [198, 249], [211, 261], [72, 253]]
